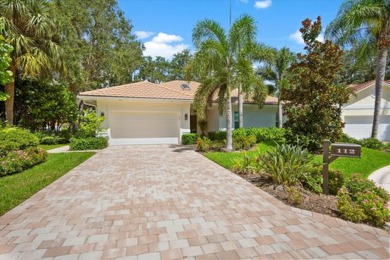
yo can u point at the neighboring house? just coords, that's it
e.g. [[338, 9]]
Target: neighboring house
[[149, 113], [358, 112]]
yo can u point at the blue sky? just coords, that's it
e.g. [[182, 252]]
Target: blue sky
[[165, 26]]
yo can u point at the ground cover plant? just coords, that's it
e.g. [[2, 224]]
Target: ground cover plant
[[16, 188]]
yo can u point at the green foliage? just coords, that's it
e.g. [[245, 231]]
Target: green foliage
[[313, 97], [285, 164], [14, 138], [217, 136], [336, 181], [187, 139], [5, 61], [100, 48], [241, 142], [344, 138], [294, 195], [348, 208], [16, 188], [90, 124], [203, 144], [372, 143], [89, 143], [245, 164], [357, 184], [39, 105], [17, 161], [51, 140], [312, 180], [267, 133]]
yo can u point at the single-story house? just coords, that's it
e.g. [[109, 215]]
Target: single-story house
[[358, 112], [150, 113]]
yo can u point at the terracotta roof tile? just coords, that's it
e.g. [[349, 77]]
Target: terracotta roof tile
[[362, 86], [167, 90]]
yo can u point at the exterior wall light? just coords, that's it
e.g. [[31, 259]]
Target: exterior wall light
[[186, 117]]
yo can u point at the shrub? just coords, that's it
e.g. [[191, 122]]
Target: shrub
[[203, 144], [17, 161], [91, 143], [217, 136], [348, 139], [52, 140], [14, 138], [266, 133], [372, 143], [336, 181], [357, 184], [348, 209], [312, 180], [187, 139], [305, 141], [243, 142], [294, 195], [245, 164], [239, 132], [218, 145], [90, 124], [285, 164]]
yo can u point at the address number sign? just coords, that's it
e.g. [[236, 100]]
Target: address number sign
[[345, 150]]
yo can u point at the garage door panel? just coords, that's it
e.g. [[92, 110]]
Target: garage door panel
[[144, 125], [361, 126]]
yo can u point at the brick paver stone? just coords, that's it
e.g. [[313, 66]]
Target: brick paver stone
[[169, 202]]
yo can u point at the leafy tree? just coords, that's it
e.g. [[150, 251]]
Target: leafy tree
[[90, 124], [365, 23], [313, 97], [39, 105], [156, 70], [275, 70], [216, 64], [178, 64], [5, 61], [100, 47], [29, 29]]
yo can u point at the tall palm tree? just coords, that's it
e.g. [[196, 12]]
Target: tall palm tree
[[366, 22], [30, 31], [217, 63], [275, 70]]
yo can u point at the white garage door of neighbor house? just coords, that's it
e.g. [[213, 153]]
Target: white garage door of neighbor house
[[144, 127], [360, 127]]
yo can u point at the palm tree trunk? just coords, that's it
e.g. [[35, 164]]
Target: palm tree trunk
[[240, 107], [380, 77], [229, 141], [280, 113], [10, 91]]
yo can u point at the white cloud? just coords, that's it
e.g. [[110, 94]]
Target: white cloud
[[263, 4], [297, 37], [164, 45], [143, 34], [166, 38]]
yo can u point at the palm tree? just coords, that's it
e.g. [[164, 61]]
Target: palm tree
[[29, 30], [366, 22], [275, 70], [217, 63]]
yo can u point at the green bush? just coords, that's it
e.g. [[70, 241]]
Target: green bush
[[187, 139], [348, 209], [372, 143], [239, 132], [348, 139], [52, 140], [310, 142], [91, 143], [243, 142], [285, 164], [336, 181], [90, 124], [312, 180], [357, 184], [245, 164], [17, 161], [14, 138], [267, 133], [203, 144], [217, 136]]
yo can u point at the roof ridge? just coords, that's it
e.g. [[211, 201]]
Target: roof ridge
[[187, 94]]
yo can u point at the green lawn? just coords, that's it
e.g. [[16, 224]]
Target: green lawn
[[50, 146], [371, 160], [18, 187]]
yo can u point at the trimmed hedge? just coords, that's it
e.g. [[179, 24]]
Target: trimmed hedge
[[14, 138], [17, 161], [91, 143], [188, 139]]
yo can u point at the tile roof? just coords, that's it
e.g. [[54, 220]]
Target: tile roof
[[168, 90], [362, 86]]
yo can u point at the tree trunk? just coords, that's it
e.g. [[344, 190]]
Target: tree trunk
[[229, 141], [240, 107], [280, 113], [380, 77], [10, 90]]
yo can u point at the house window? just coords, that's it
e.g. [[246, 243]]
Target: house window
[[236, 120]]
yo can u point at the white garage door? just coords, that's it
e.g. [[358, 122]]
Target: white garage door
[[360, 127], [144, 127]]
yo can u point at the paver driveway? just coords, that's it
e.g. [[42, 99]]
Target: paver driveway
[[151, 202]]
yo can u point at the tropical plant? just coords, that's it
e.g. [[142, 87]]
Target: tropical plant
[[313, 96], [275, 70], [5, 61], [218, 63], [366, 23], [30, 30], [90, 124]]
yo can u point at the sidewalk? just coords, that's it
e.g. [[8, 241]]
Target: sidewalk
[[382, 177]]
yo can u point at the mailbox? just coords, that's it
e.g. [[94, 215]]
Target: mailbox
[[345, 150]]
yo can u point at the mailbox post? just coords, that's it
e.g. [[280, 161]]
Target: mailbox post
[[337, 150]]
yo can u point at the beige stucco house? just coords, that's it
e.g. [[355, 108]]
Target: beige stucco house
[[358, 112], [149, 113]]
